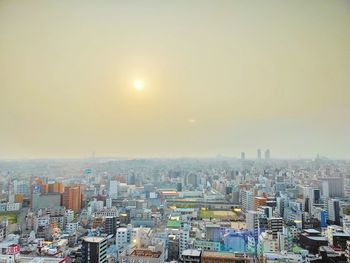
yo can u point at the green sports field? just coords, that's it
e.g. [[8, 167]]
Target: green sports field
[[11, 216]]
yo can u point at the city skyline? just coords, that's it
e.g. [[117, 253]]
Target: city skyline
[[173, 79]]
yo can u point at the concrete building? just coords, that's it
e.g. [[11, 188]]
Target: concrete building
[[113, 189], [224, 257], [46, 201], [247, 201], [94, 250], [333, 187], [142, 255], [252, 222], [184, 234], [191, 256], [333, 211], [72, 197], [275, 224]]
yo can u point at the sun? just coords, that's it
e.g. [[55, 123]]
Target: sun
[[139, 84]]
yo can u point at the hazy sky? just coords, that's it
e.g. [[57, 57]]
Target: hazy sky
[[220, 77]]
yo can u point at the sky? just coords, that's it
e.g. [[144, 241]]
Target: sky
[[220, 77]]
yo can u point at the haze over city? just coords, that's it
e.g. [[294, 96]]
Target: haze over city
[[218, 77], [182, 131]]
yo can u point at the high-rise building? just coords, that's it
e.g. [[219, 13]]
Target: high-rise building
[[94, 250], [242, 156], [72, 197], [347, 187], [267, 155], [192, 179], [184, 238], [123, 237], [333, 187], [275, 224], [312, 196], [110, 225], [323, 218], [259, 201], [346, 224], [266, 210], [55, 188], [247, 200], [21, 187], [334, 211], [259, 154], [113, 189], [252, 222], [49, 200]]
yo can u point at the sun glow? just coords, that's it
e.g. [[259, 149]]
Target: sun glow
[[139, 85]]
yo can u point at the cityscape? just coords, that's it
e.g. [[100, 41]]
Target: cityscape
[[198, 131], [176, 210]]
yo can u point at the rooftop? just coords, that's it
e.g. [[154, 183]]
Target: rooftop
[[191, 252], [145, 253], [311, 231], [94, 239], [225, 255]]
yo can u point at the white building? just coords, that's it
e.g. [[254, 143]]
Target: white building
[[69, 215], [247, 200], [72, 227], [252, 222], [13, 206], [346, 224], [184, 238], [271, 257], [123, 237], [113, 189]]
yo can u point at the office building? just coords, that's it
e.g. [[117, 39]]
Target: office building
[[113, 189], [94, 250], [252, 222], [247, 200], [334, 211], [275, 224], [333, 187], [72, 197]]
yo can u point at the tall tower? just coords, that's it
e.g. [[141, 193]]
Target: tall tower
[[242, 156], [267, 155], [259, 154]]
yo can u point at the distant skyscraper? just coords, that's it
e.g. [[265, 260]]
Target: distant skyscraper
[[192, 179], [267, 155], [259, 154], [242, 156]]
